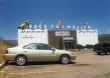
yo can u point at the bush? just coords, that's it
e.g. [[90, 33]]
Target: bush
[[78, 46], [89, 46], [3, 47]]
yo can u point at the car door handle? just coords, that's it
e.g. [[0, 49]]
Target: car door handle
[[25, 51]]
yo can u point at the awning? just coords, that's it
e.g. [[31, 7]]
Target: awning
[[68, 38]]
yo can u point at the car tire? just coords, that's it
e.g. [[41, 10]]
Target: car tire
[[6, 63], [21, 60], [107, 53], [99, 53], [65, 59]]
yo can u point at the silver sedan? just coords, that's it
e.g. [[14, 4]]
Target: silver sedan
[[37, 52]]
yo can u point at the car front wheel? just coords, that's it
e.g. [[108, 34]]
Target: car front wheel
[[64, 59], [20, 60]]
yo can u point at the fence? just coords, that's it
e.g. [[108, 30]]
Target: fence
[[87, 49], [2, 52]]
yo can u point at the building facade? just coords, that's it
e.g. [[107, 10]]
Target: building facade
[[59, 38], [62, 39]]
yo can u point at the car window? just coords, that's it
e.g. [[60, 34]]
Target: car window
[[32, 46], [44, 47]]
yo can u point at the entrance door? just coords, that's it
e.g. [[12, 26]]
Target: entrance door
[[68, 44]]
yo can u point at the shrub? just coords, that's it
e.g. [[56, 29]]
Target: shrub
[[78, 46], [89, 46]]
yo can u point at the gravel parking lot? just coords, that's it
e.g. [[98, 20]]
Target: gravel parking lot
[[87, 65]]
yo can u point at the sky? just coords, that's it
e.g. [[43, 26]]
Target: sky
[[14, 12]]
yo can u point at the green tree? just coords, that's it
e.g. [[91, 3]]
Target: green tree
[[78, 46], [89, 46]]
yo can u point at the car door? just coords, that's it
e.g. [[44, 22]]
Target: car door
[[46, 53], [31, 51]]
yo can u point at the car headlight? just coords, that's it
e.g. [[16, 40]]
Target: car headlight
[[72, 53]]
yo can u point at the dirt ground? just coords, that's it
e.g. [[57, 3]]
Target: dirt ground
[[87, 65]]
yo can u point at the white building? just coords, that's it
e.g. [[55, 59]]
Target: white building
[[73, 35]]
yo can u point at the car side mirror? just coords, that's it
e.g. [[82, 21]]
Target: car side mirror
[[53, 49]]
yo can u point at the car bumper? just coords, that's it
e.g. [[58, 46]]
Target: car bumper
[[10, 56], [73, 57]]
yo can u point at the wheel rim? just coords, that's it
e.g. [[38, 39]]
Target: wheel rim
[[21, 60], [107, 53], [65, 60]]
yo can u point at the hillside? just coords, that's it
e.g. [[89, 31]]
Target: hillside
[[12, 42]]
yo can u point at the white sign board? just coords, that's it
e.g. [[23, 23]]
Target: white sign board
[[31, 36], [62, 33]]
